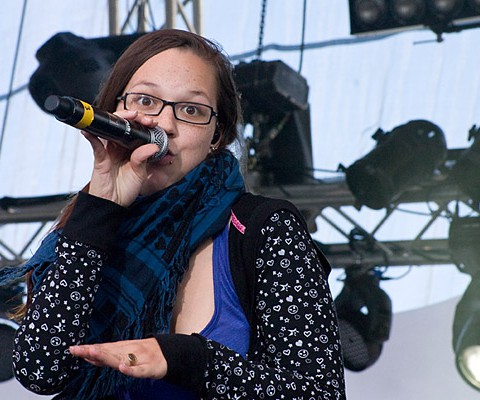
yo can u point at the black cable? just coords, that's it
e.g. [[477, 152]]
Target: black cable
[[261, 30], [310, 46], [14, 67], [13, 92], [413, 212], [302, 44], [396, 278]]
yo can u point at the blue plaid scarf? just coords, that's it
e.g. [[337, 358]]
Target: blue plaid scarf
[[140, 278]]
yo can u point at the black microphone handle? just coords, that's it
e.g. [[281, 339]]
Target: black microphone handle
[[84, 116]]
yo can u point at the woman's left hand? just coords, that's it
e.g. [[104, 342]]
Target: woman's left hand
[[141, 358]]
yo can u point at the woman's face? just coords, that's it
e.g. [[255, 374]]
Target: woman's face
[[177, 75]]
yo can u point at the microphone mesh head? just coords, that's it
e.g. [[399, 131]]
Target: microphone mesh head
[[159, 137]]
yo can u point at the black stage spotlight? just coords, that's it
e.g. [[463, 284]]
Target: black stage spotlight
[[466, 334], [402, 158], [464, 236], [364, 313], [74, 66], [275, 102]]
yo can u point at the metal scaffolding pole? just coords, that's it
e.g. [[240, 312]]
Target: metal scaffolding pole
[[174, 7], [113, 17], [171, 11]]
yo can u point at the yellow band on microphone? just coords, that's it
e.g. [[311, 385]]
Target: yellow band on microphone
[[87, 117]]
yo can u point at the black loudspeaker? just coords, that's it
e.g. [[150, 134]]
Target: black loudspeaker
[[275, 102], [289, 158], [74, 66]]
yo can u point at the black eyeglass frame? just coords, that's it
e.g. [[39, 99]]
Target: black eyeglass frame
[[172, 104]]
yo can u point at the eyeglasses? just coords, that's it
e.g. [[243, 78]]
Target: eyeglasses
[[193, 113]]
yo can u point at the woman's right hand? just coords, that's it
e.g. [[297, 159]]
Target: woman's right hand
[[118, 174]]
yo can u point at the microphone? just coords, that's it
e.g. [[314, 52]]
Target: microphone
[[128, 134]]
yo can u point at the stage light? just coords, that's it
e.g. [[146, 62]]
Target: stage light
[[275, 103], [364, 314], [74, 66], [466, 334], [464, 236], [369, 16], [402, 158]]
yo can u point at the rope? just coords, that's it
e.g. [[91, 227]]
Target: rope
[[14, 67]]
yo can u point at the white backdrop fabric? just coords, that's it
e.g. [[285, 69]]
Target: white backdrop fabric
[[355, 88]]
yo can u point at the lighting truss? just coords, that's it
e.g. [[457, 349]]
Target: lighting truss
[[192, 16], [327, 201], [331, 201]]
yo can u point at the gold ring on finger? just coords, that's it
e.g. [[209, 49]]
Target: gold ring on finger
[[132, 359]]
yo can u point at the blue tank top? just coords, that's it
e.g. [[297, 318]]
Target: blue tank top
[[228, 325]]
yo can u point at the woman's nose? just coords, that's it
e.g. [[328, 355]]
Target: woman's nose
[[166, 119]]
